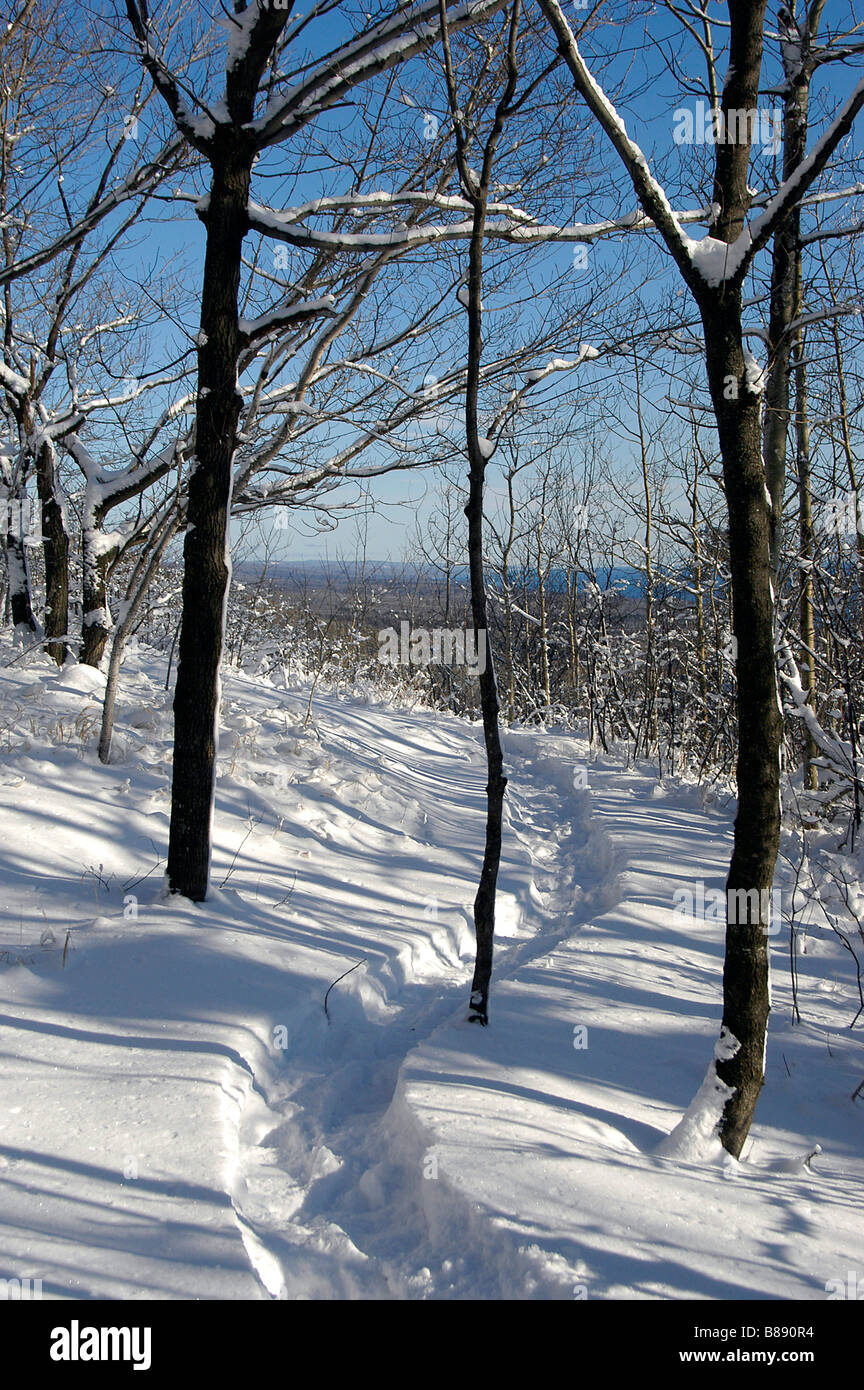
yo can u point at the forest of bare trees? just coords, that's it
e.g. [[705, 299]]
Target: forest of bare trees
[[259, 263]]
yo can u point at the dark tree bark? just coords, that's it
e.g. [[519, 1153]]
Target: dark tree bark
[[17, 566], [206, 566], [484, 902], [55, 541], [738, 410], [746, 999], [55, 550], [496, 784]]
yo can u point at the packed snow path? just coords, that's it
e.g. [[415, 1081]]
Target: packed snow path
[[182, 1119]]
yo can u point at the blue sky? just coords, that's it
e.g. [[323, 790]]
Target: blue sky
[[659, 72]]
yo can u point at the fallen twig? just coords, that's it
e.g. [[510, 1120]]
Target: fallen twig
[[342, 977]]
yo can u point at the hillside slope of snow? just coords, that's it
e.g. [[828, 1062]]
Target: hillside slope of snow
[[184, 1120]]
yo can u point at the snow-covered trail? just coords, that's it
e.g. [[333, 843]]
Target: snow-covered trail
[[183, 1119], [366, 1185], [554, 1129]]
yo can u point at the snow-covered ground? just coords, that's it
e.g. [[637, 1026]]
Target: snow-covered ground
[[182, 1118]]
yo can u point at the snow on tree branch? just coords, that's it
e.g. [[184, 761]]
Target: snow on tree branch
[[254, 330], [710, 261], [396, 39], [512, 227], [136, 184]]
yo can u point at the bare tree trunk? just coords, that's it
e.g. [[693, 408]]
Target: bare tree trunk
[[746, 994], [650, 659], [477, 190], [572, 582], [785, 287], [737, 402], [55, 549], [148, 563], [206, 566], [17, 567], [849, 456], [701, 648], [55, 541], [509, 651], [542, 577], [96, 561], [807, 655]]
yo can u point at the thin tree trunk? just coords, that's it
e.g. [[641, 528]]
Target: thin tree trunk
[[509, 652], [544, 629], [701, 648], [851, 467], [807, 654], [785, 300], [650, 660], [496, 783], [147, 565]]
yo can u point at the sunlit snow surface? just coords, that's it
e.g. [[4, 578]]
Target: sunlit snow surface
[[181, 1120]]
